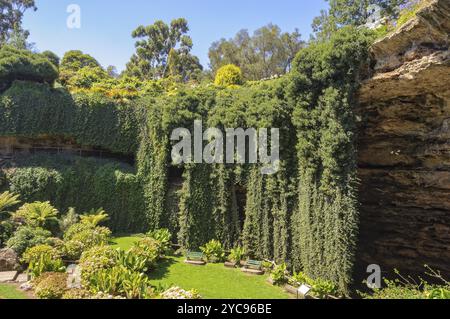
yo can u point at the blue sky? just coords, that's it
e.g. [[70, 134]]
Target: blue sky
[[106, 25]]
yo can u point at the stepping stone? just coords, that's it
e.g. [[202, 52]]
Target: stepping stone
[[7, 276]]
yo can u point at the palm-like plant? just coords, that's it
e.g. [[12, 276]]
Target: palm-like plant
[[7, 200], [38, 214], [94, 217]]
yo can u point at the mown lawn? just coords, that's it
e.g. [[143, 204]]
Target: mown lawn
[[124, 243], [11, 292], [212, 281]]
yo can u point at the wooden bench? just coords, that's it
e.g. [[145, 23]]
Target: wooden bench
[[195, 258], [253, 267]]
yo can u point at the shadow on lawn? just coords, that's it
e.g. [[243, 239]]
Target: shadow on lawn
[[162, 268]]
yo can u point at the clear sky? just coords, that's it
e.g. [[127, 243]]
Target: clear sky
[[106, 25]]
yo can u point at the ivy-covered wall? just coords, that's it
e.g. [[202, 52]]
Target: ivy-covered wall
[[305, 215], [82, 183]]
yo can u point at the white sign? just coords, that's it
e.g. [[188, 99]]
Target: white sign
[[304, 290]]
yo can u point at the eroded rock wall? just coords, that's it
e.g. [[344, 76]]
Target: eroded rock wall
[[404, 148]]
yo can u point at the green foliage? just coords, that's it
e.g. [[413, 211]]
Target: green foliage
[[96, 259], [320, 288], [163, 49], [12, 12], [23, 65], [355, 13], [76, 294], [86, 78], [51, 286], [7, 200], [164, 237], [236, 255], [408, 288], [410, 11], [38, 214], [52, 57], [85, 184], [278, 274], [214, 251], [306, 214], [74, 61], [325, 226], [134, 262], [228, 75], [26, 237], [267, 53], [120, 280], [81, 237], [41, 259], [32, 110], [69, 219], [94, 217], [150, 249]]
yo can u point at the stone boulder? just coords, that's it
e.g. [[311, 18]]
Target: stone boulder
[[9, 260]]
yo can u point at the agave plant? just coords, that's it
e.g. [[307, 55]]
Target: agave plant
[[94, 217]]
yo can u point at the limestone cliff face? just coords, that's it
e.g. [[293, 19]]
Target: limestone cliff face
[[404, 148]]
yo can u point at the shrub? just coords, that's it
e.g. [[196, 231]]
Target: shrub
[[75, 294], [178, 293], [42, 259], [35, 183], [323, 288], [149, 249], [118, 281], [26, 237], [73, 249], [136, 262], [407, 288], [236, 255], [6, 231], [82, 236], [86, 77], [52, 286], [94, 217], [214, 251], [319, 288], [68, 220], [24, 65], [229, 75], [84, 183], [39, 214], [163, 236], [7, 200], [96, 259], [278, 274]]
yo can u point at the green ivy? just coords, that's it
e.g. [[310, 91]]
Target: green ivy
[[82, 183]]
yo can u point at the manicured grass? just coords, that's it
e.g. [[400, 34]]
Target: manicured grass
[[11, 292], [124, 243], [214, 281]]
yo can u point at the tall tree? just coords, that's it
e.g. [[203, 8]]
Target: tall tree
[[352, 12], [159, 43], [11, 14], [267, 53], [73, 62]]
